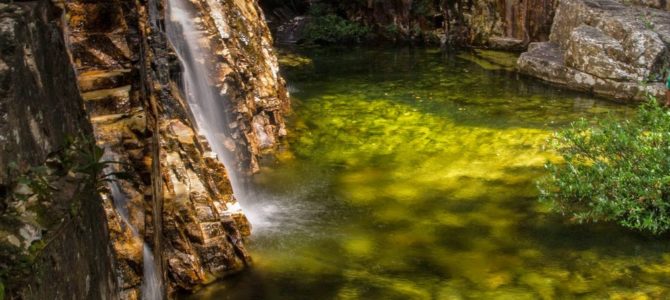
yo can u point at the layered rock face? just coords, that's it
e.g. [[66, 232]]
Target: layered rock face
[[52, 240], [106, 70], [505, 24], [245, 76], [182, 201], [604, 47]]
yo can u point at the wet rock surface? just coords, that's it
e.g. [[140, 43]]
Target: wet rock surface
[[604, 47], [181, 201], [245, 75], [503, 25], [105, 70], [52, 242]]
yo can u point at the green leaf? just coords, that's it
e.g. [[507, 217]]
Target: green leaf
[[616, 170]]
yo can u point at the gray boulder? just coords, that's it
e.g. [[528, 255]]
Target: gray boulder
[[605, 47]]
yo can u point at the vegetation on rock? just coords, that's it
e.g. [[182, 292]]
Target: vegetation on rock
[[46, 199], [326, 27], [615, 171]]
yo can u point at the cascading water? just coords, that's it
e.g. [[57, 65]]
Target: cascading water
[[151, 284], [207, 106]]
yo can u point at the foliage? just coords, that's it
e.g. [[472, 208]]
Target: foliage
[[423, 8], [78, 155], [326, 27], [648, 23], [15, 266], [79, 158], [615, 171], [37, 179], [84, 156]]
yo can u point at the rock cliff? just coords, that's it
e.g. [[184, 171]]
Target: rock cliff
[[53, 244], [245, 76], [506, 24], [606, 47], [161, 203]]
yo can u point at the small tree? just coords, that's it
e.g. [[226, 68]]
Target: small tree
[[326, 27], [614, 171]]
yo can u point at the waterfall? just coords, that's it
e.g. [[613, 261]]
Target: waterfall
[[151, 283], [207, 105]]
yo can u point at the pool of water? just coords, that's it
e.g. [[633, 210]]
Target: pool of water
[[410, 174]]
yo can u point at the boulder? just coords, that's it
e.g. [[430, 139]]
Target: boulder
[[590, 50], [605, 47]]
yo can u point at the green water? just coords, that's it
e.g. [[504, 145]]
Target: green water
[[410, 174]]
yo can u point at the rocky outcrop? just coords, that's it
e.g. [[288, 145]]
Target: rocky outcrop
[[181, 202], [34, 69], [245, 77], [52, 242], [604, 47], [505, 25], [105, 71], [291, 31], [100, 39]]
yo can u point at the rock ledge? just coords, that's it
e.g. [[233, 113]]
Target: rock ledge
[[604, 47]]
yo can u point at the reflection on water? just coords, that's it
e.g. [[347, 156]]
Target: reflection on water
[[410, 175]]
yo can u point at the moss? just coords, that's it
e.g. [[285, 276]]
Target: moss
[[492, 60], [288, 59], [15, 266]]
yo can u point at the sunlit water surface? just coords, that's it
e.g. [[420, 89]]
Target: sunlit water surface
[[410, 174]]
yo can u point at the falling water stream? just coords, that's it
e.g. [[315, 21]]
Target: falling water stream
[[207, 106], [151, 282], [410, 175]]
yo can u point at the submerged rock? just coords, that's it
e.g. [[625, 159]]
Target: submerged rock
[[604, 47]]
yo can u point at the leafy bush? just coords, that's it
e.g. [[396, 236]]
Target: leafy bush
[[326, 27], [615, 171]]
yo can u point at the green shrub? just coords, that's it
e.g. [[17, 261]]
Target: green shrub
[[326, 27], [423, 8], [614, 171]]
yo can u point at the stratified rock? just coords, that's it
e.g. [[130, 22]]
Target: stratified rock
[[202, 240], [503, 25], [245, 73], [104, 70], [40, 110], [506, 25], [604, 47]]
